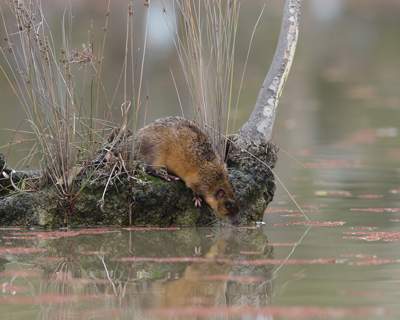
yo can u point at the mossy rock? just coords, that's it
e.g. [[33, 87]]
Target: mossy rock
[[141, 199]]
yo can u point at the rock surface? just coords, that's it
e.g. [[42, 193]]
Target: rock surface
[[141, 199]]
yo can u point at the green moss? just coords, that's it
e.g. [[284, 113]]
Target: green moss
[[145, 200]]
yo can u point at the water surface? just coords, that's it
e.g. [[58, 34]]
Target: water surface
[[338, 127], [342, 263]]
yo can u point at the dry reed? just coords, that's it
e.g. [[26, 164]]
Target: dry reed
[[61, 88], [41, 76], [206, 50]]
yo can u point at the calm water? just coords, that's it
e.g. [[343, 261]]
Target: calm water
[[344, 263], [339, 119]]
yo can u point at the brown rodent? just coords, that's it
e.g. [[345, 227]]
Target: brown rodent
[[183, 149]]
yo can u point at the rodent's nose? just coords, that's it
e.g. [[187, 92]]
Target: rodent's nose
[[233, 211], [231, 206]]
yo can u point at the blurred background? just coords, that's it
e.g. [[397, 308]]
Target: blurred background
[[342, 90], [337, 127]]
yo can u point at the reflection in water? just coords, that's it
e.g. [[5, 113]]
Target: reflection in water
[[339, 117], [220, 283], [116, 274]]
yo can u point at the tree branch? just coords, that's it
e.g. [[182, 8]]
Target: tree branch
[[260, 124]]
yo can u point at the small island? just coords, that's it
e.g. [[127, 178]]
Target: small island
[[114, 192]]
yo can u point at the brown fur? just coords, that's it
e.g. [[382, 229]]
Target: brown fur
[[180, 147]]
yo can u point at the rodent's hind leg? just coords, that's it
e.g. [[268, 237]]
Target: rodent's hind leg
[[161, 173]]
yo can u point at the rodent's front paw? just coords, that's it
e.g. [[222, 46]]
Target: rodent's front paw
[[197, 201]]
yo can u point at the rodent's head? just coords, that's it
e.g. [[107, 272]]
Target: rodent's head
[[221, 199]]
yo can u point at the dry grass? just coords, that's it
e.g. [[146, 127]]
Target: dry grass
[[42, 78], [206, 50], [61, 88]]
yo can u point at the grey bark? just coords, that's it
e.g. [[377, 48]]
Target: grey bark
[[260, 124]]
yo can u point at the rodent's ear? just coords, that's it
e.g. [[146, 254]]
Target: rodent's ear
[[220, 194]]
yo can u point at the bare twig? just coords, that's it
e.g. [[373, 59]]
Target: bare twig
[[260, 124]]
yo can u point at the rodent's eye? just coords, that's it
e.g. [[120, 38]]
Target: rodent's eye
[[220, 194]]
